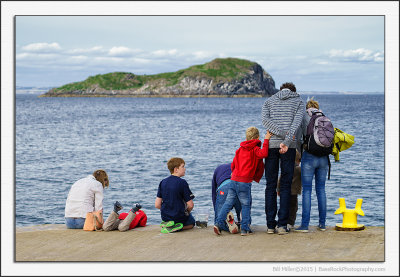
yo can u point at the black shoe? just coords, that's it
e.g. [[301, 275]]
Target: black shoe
[[117, 207], [136, 207]]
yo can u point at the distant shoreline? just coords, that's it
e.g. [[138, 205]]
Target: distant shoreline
[[306, 93], [158, 96], [198, 96], [41, 94]]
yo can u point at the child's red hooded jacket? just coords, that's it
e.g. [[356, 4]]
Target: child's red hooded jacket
[[247, 164]]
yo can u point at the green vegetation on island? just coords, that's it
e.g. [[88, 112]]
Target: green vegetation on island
[[218, 71]]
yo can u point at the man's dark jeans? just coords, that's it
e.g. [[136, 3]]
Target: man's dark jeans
[[271, 175]]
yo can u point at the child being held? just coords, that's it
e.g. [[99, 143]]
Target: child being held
[[247, 166], [175, 199]]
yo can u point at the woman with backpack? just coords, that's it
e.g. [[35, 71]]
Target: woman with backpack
[[318, 133]]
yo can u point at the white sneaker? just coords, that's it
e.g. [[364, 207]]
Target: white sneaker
[[271, 231], [290, 227], [232, 226], [282, 231]]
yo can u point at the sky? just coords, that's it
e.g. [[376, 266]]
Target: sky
[[316, 53]]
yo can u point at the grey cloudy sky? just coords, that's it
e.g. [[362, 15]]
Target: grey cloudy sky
[[317, 53]]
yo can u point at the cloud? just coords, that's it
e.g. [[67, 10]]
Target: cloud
[[108, 60], [161, 60], [335, 64], [164, 53], [357, 55], [122, 51], [77, 59], [38, 57], [42, 47], [200, 55], [22, 56], [93, 50], [141, 61]]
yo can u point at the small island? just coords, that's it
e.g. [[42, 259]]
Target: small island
[[227, 77]]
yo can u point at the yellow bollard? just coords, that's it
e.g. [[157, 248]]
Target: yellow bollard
[[349, 216]]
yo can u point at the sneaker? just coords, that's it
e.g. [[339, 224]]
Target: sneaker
[[174, 228], [301, 229], [230, 222], [271, 231], [167, 223], [246, 233], [117, 206], [282, 231], [290, 227], [136, 207], [234, 230], [322, 227], [238, 225], [217, 230]]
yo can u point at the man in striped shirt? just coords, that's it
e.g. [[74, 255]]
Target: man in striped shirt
[[282, 114]]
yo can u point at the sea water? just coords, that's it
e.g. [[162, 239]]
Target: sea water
[[60, 140]]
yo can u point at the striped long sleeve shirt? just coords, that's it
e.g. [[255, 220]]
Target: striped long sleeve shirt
[[282, 114]]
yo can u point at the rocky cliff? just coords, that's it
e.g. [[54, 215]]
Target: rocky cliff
[[220, 77]]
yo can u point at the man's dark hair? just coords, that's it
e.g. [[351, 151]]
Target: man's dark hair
[[290, 86]]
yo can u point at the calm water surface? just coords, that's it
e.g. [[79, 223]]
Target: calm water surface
[[60, 140]]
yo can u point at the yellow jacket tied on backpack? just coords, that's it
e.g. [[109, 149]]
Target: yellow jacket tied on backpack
[[341, 142]]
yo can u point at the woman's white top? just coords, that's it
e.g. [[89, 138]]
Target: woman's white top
[[85, 195]]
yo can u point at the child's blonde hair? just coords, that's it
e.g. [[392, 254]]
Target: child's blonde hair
[[312, 104], [174, 162], [252, 133]]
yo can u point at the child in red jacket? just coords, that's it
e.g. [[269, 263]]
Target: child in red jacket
[[247, 166]]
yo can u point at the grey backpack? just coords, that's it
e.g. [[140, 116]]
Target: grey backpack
[[320, 133]]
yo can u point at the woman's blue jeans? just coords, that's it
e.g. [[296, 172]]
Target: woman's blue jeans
[[242, 191], [312, 165], [75, 222]]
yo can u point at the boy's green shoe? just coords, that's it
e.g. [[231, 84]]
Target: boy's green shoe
[[174, 228], [167, 224]]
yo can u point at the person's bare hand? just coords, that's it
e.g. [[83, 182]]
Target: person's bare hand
[[284, 148], [268, 135]]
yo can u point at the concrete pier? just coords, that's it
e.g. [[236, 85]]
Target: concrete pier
[[56, 243]]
